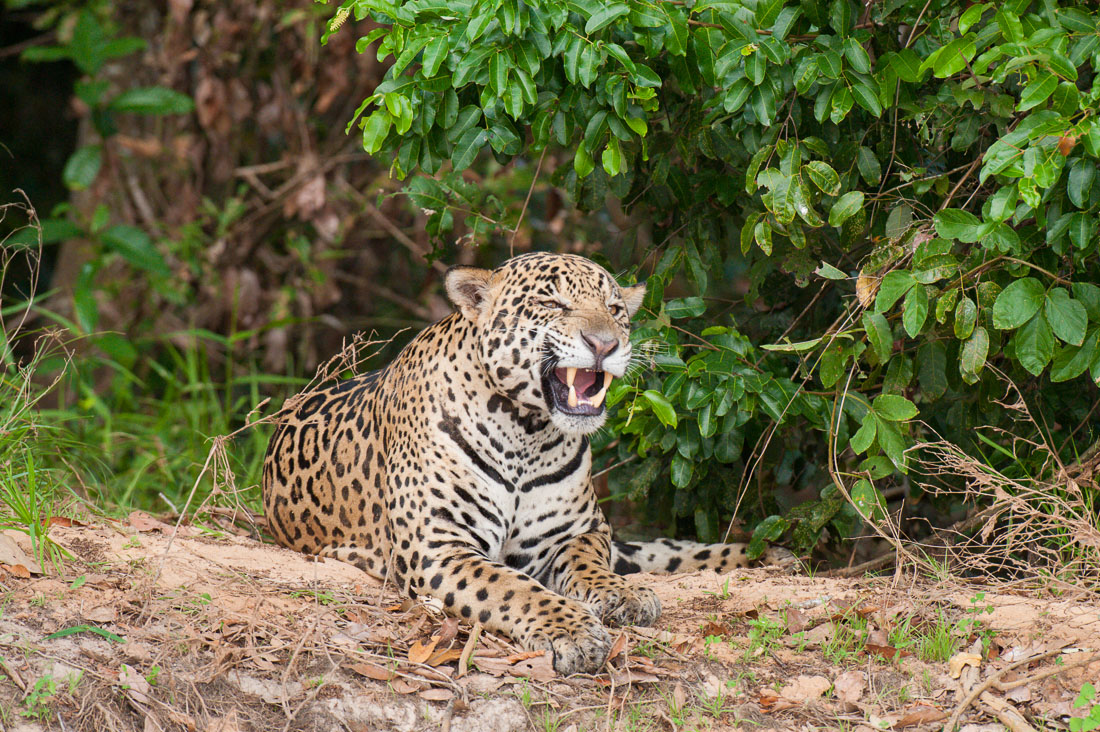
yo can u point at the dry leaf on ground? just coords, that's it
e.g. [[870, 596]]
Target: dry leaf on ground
[[961, 660], [13, 555], [849, 686], [372, 671], [805, 688], [920, 715]]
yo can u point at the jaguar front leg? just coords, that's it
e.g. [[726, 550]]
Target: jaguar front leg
[[506, 600], [582, 570]]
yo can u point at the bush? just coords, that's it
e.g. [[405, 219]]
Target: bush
[[899, 198]]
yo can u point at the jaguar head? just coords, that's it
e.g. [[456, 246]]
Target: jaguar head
[[553, 332]]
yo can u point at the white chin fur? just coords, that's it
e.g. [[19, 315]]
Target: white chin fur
[[577, 425]]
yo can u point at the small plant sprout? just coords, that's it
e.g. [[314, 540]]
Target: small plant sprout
[[1087, 699]]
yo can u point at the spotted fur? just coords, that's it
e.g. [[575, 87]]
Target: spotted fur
[[462, 472]]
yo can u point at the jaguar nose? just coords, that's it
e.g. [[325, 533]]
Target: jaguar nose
[[601, 347]]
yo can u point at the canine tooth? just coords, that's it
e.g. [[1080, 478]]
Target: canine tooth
[[597, 400], [570, 374], [572, 395]]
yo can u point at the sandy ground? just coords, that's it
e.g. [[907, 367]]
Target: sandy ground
[[212, 631]]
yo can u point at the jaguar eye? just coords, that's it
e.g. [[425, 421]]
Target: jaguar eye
[[552, 305], [616, 310]]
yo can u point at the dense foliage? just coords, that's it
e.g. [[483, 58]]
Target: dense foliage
[[182, 276], [873, 215]]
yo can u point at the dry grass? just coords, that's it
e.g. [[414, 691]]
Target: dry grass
[[1038, 527]]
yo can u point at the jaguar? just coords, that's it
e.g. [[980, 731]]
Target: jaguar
[[462, 470]]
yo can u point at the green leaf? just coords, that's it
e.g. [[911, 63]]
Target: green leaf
[[619, 54], [605, 16], [971, 16], [770, 529], [676, 40], [1071, 361], [1017, 303], [1034, 344], [152, 100], [1079, 185], [932, 369], [1066, 316], [894, 284], [899, 372], [707, 423], [1003, 204], [737, 95], [612, 158], [680, 471], [646, 16], [857, 56], [408, 53], [973, 353], [893, 444], [801, 200], [1038, 91], [829, 272], [866, 96], [136, 247], [865, 435], [434, 54], [845, 207], [762, 232], [499, 66], [582, 161], [868, 500], [685, 307], [954, 223], [82, 167], [375, 129], [1082, 229], [1062, 66], [946, 304], [878, 335], [638, 125], [478, 24], [798, 347], [73, 630], [840, 16], [966, 316], [468, 146], [840, 104], [664, 410], [951, 58], [823, 176], [784, 20], [869, 167], [1089, 295], [899, 221], [906, 64], [1085, 698], [755, 68], [916, 310], [831, 366], [894, 408]]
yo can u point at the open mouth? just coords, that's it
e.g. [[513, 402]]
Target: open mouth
[[578, 391]]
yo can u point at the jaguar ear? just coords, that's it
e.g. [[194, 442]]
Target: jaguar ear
[[633, 297], [468, 288]]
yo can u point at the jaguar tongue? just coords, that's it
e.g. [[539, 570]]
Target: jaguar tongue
[[582, 379]]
